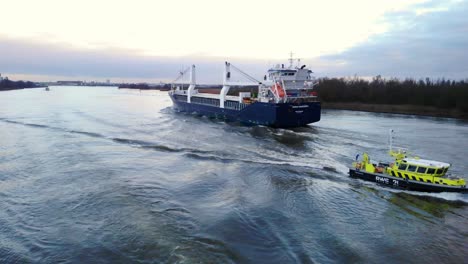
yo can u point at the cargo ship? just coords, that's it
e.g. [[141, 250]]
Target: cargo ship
[[285, 98]]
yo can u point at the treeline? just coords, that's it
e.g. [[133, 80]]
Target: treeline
[[11, 85], [144, 86], [447, 94], [134, 86]]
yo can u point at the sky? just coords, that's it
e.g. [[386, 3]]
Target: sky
[[151, 40]]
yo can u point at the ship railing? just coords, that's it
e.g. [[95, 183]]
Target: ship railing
[[298, 86], [228, 104], [302, 99], [234, 105], [205, 101], [179, 89], [180, 97], [180, 92]]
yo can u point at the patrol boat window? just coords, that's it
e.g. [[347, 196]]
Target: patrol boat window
[[439, 171], [411, 168], [402, 166], [430, 171], [421, 170], [445, 170]]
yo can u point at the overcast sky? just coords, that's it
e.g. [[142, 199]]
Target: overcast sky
[[143, 40]]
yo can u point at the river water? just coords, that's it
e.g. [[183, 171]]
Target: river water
[[101, 175]]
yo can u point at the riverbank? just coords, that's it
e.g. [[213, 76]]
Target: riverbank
[[152, 88], [144, 86], [11, 89], [8, 85], [397, 109]]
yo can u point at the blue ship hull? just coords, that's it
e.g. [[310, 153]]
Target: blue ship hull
[[283, 115]]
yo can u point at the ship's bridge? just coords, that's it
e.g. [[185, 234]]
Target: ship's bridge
[[291, 78], [290, 74]]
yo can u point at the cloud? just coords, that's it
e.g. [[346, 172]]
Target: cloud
[[24, 57], [31, 59], [428, 41]]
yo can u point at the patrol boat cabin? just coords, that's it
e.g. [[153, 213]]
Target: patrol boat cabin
[[423, 170]]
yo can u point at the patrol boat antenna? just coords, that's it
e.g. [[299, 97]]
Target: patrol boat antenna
[[390, 140]]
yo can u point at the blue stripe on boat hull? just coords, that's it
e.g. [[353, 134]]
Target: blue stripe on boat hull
[[268, 114]]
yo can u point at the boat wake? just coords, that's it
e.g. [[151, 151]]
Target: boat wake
[[462, 198]]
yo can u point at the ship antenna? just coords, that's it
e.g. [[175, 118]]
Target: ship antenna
[[390, 140], [291, 60]]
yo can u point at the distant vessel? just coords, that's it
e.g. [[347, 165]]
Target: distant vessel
[[411, 173], [284, 99], [47, 88]]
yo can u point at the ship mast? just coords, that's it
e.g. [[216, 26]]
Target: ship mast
[[291, 60]]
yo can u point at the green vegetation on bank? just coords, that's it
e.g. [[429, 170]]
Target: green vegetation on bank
[[446, 95], [145, 86], [6, 84]]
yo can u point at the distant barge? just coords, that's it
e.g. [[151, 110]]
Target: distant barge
[[285, 99]]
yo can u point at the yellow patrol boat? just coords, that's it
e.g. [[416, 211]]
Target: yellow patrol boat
[[411, 173]]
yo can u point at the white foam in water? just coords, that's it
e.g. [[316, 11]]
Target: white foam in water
[[444, 195], [449, 196]]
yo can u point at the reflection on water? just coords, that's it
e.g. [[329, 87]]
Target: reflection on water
[[107, 175]]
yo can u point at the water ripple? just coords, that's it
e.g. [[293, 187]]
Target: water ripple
[[91, 175]]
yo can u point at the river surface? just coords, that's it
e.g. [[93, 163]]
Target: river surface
[[101, 175]]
